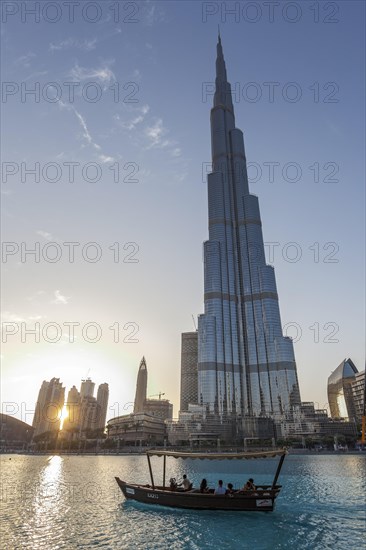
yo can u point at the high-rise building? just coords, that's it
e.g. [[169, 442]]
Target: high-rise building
[[102, 402], [141, 387], [88, 413], [72, 419], [49, 406], [87, 388], [188, 370], [40, 408], [340, 396], [245, 364]]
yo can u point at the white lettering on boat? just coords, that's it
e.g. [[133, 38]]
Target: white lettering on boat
[[152, 495], [263, 502], [130, 491]]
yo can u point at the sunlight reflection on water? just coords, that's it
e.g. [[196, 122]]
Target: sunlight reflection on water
[[67, 502]]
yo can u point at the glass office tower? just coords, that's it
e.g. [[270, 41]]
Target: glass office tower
[[245, 364]]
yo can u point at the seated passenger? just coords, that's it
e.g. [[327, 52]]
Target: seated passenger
[[186, 484], [230, 489], [203, 487], [249, 486], [220, 489], [173, 484]]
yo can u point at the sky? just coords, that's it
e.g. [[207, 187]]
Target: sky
[[105, 150]]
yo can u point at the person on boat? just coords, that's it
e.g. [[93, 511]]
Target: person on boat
[[220, 489], [186, 484], [249, 486], [230, 489], [203, 487], [173, 484]]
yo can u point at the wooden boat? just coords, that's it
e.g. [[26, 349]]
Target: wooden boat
[[262, 499]]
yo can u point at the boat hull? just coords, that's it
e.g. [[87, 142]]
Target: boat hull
[[262, 500]]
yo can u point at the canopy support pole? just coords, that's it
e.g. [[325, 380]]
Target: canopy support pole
[[164, 460], [278, 471], [151, 474]]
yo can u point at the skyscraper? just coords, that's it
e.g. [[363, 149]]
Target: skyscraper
[[87, 388], [245, 364], [141, 387], [72, 420], [188, 369], [49, 406], [102, 401]]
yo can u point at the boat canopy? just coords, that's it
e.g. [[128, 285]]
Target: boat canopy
[[217, 456]]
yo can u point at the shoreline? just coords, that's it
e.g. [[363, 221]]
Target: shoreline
[[301, 452]]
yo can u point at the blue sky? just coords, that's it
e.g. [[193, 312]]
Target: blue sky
[[164, 62]]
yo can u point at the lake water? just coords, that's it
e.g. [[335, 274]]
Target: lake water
[[67, 502]]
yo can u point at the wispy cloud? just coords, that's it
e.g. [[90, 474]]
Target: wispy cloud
[[152, 13], [131, 124], [60, 299], [45, 235], [155, 133], [105, 158], [24, 60], [103, 74], [157, 137], [9, 317], [35, 75], [84, 45], [86, 134]]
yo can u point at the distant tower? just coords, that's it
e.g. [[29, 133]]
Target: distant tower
[[102, 401], [87, 388], [188, 370], [49, 406], [141, 387], [72, 420]]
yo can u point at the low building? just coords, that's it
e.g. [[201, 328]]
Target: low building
[[162, 408], [311, 422], [137, 429], [358, 394], [14, 434]]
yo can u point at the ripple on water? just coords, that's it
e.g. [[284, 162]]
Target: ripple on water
[[73, 502]]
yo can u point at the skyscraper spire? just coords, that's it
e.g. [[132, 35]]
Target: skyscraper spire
[[222, 86], [141, 387]]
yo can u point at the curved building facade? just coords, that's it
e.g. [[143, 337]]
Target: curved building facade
[[340, 394]]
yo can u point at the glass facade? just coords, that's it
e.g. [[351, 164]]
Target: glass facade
[[245, 364], [340, 394], [188, 371]]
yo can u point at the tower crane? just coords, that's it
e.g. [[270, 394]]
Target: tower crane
[[157, 395]]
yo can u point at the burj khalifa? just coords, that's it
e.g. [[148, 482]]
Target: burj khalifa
[[246, 367]]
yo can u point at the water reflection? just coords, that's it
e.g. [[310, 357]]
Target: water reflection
[[73, 502]]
